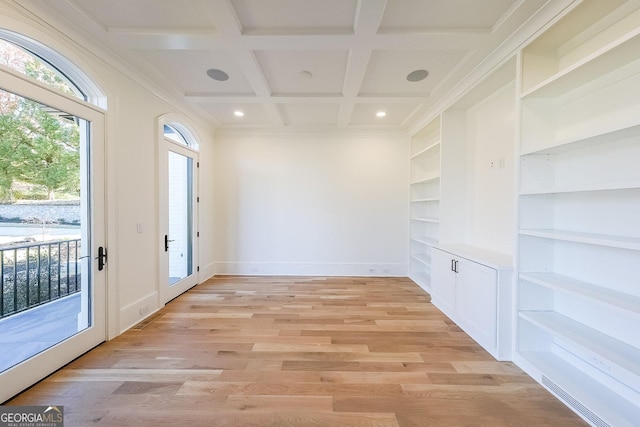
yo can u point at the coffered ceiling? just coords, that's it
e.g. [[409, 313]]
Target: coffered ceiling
[[300, 63]]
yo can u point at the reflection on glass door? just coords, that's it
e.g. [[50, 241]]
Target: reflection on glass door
[[179, 240], [45, 228]]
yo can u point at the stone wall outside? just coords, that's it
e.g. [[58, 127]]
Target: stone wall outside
[[37, 211]]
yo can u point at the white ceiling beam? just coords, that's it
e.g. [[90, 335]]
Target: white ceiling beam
[[368, 17], [224, 15], [215, 98], [208, 39], [248, 63]]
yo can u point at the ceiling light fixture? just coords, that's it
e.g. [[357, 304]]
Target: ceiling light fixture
[[381, 114], [238, 113], [217, 74], [305, 75], [417, 75]]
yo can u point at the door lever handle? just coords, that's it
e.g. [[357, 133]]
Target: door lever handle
[[102, 258], [166, 242]]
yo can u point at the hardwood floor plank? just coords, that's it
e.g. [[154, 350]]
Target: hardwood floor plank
[[297, 351], [283, 403], [122, 375]]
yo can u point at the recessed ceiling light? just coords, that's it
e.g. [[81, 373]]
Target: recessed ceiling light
[[381, 114], [238, 113], [305, 74], [417, 75], [218, 75]]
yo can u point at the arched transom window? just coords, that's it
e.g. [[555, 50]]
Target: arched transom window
[[35, 60], [180, 135]]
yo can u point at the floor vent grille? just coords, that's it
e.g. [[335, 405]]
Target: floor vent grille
[[573, 403], [146, 322]]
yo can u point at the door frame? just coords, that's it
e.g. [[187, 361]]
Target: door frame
[[166, 292], [37, 367]]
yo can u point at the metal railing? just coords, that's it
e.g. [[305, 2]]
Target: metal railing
[[35, 274]]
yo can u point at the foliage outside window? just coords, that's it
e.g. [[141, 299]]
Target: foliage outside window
[[39, 146]]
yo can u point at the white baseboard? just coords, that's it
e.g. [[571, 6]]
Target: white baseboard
[[133, 313], [207, 272], [310, 269]]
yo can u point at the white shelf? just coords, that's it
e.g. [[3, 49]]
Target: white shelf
[[587, 396], [607, 354], [424, 200], [429, 178], [609, 58], [605, 136], [422, 258], [632, 243], [604, 186], [423, 219], [426, 149], [626, 303], [424, 241]]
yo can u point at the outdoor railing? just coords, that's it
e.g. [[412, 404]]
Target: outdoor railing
[[35, 274]]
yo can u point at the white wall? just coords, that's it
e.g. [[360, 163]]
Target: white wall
[[491, 133], [311, 204]]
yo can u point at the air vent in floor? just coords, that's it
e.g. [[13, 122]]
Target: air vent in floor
[[573, 403]]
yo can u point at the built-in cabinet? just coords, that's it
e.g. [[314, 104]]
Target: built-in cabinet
[[540, 164], [473, 288]]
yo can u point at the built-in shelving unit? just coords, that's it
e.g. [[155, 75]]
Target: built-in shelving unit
[[425, 201], [539, 161], [578, 287]]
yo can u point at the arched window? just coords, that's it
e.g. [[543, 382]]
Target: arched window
[[35, 60], [180, 134]]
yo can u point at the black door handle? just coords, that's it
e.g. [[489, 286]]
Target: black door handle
[[166, 242], [102, 258]]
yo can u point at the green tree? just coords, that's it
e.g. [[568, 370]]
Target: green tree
[[11, 137], [49, 155], [43, 72], [38, 144]]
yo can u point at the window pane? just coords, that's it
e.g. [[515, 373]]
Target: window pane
[[44, 240], [180, 217], [174, 135], [29, 64]]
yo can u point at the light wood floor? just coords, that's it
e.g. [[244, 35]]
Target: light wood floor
[[240, 351]]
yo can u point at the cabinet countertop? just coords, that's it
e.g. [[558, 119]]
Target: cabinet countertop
[[496, 260]]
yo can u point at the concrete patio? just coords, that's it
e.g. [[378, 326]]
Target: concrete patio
[[30, 332]]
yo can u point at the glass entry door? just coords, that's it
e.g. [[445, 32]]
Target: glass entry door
[[179, 267], [52, 287], [179, 243]]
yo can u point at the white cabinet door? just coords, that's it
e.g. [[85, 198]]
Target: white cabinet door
[[475, 295], [443, 281], [476, 301]]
